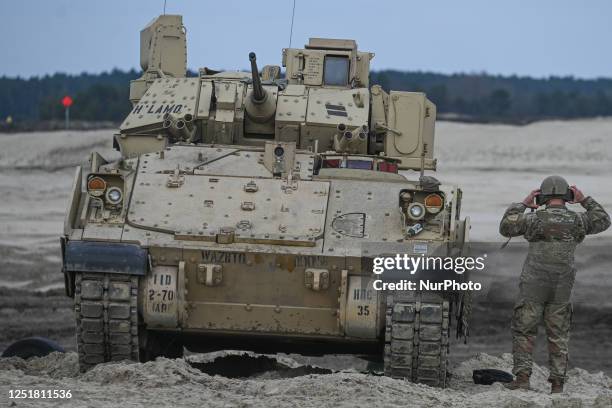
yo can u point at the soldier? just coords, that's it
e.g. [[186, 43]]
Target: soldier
[[548, 272]]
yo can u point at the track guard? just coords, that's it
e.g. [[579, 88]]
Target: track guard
[[103, 257]]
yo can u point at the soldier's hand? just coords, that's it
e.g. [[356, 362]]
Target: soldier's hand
[[578, 195], [529, 201]]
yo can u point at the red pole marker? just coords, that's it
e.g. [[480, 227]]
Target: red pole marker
[[67, 102]]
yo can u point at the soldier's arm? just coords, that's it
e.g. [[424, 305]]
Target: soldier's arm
[[514, 222], [595, 219]]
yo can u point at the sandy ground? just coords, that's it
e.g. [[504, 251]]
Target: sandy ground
[[494, 164], [164, 383], [498, 164]]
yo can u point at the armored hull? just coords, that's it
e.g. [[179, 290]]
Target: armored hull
[[246, 212]]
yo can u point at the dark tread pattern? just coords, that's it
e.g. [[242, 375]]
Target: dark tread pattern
[[417, 337], [106, 318]]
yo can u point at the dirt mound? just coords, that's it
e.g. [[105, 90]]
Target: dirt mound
[[177, 383], [160, 373], [581, 384], [54, 366]]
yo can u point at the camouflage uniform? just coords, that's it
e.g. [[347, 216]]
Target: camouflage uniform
[[548, 276]]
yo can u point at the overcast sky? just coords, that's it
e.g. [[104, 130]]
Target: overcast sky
[[525, 37]]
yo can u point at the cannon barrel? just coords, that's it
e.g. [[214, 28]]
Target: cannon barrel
[[259, 93], [260, 106]]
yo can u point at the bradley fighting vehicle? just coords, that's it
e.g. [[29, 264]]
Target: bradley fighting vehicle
[[246, 210]]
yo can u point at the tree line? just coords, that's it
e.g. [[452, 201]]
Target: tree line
[[97, 97], [471, 97], [483, 97]]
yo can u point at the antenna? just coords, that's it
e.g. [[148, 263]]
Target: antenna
[[292, 17], [164, 7]]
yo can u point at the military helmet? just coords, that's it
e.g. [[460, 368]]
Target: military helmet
[[554, 187]]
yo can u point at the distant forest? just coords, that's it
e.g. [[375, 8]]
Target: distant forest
[[469, 97], [484, 98]]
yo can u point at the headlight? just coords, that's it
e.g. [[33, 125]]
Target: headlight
[[114, 195], [416, 211], [434, 203], [96, 186]]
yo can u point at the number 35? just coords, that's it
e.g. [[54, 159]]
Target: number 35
[[363, 310]]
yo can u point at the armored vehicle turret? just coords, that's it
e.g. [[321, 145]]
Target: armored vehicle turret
[[247, 209]]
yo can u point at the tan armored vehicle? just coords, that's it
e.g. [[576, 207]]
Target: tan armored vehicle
[[247, 208]]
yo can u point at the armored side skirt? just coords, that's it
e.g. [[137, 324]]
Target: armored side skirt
[[101, 257], [84, 256]]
